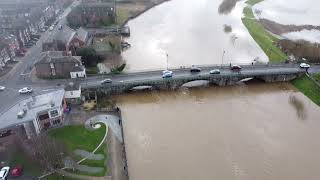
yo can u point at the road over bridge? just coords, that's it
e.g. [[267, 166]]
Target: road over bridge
[[153, 79]]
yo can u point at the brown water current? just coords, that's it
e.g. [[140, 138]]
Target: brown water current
[[245, 132]]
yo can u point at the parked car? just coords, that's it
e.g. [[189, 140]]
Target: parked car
[[19, 53], [304, 65], [5, 133], [215, 71], [16, 171], [36, 36], [167, 74], [42, 30], [106, 81], [51, 28], [2, 88], [195, 69], [236, 68], [4, 172], [25, 90], [60, 27]]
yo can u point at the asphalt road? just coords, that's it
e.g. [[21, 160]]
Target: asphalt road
[[19, 76]]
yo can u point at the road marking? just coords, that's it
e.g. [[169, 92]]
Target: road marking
[[46, 90]]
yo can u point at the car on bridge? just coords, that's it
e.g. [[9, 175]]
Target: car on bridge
[[106, 81], [214, 71], [195, 69], [25, 90], [167, 74], [236, 68], [304, 65]]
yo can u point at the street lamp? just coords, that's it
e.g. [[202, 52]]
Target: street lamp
[[167, 61], [222, 58]]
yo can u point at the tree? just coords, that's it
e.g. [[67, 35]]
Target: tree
[[89, 56], [44, 150]]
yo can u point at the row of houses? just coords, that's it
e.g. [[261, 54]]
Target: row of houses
[[19, 20], [58, 59]]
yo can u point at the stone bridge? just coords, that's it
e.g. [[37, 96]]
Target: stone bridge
[[154, 80]]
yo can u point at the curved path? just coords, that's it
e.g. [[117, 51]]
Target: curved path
[[92, 124]]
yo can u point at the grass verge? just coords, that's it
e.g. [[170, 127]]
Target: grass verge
[[308, 87], [77, 137], [264, 39]]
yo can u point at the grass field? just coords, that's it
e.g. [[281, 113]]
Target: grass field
[[77, 137], [265, 40], [309, 88]]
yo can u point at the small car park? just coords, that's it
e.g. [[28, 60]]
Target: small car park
[[5, 133], [106, 81], [236, 68], [215, 71], [25, 90]]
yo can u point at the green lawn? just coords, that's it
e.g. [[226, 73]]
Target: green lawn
[[92, 70], [77, 137], [317, 77], [253, 2], [58, 177], [265, 40], [309, 88]]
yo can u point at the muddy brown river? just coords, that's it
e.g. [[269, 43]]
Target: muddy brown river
[[245, 132]]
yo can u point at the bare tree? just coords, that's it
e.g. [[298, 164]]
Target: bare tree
[[45, 150]]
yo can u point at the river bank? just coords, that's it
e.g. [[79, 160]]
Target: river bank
[[259, 29], [127, 11], [264, 39]]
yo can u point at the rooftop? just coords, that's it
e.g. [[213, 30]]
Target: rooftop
[[72, 86], [82, 34], [32, 105], [57, 57]]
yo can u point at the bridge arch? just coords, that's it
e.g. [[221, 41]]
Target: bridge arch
[[195, 83]]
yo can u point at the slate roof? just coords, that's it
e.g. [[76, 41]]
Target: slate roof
[[72, 86], [65, 35], [82, 35], [57, 57], [78, 68]]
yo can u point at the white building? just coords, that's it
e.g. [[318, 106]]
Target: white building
[[36, 114], [73, 93], [78, 72]]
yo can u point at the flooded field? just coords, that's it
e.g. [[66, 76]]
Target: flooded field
[[260, 131], [190, 32], [296, 12], [312, 36]]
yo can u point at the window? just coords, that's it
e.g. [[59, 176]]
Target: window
[[54, 113], [44, 117]]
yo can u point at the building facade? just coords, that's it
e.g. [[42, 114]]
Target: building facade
[[54, 64]]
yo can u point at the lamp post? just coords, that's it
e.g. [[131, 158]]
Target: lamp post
[[222, 58], [167, 61]]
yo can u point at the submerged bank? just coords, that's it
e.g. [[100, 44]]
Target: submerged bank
[[266, 41]]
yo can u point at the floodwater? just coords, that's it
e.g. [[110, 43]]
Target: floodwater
[[255, 132], [312, 36], [296, 12], [192, 32]]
